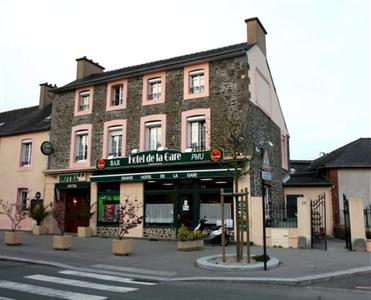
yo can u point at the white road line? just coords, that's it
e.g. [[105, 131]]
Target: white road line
[[44, 291], [79, 283], [134, 270], [5, 298], [363, 287], [104, 277]]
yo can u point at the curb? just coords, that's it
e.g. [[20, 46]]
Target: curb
[[301, 281], [298, 281], [204, 263]]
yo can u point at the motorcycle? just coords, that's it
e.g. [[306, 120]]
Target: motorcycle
[[214, 235]]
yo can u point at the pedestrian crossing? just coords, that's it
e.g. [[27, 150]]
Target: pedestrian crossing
[[72, 279]]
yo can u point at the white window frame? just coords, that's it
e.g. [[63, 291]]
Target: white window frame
[[197, 143], [84, 99], [114, 94], [26, 157], [85, 146], [154, 88], [113, 132], [155, 126], [22, 198], [197, 86]]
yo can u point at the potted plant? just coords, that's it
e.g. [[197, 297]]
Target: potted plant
[[85, 214], [39, 212], [16, 213], [189, 240], [127, 219], [60, 242]]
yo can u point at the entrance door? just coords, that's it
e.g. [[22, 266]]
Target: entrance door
[[186, 209], [76, 200], [292, 205]]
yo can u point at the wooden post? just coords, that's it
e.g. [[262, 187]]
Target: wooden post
[[223, 225], [247, 226]]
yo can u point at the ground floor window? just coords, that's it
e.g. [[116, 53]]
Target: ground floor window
[[159, 209], [211, 209]]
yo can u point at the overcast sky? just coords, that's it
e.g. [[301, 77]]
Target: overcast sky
[[318, 51]]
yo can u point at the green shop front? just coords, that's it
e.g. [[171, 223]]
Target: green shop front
[[172, 187]]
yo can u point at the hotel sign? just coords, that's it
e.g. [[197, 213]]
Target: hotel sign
[[153, 158], [76, 177]]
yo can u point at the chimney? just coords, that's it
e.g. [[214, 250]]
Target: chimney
[[86, 67], [46, 94], [256, 34]]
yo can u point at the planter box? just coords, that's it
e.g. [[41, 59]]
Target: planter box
[[62, 242], [83, 231], [38, 230], [122, 247], [189, 245], [13, 238]]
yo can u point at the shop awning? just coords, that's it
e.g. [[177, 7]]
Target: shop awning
[[163, 175]]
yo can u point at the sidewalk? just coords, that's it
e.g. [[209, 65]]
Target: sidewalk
[[162, 259]]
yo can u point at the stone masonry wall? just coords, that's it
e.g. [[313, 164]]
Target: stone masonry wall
[[227, 88]]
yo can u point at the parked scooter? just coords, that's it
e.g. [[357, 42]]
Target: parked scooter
[[215, 235]]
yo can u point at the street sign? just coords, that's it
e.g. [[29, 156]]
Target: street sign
[[266, 175]]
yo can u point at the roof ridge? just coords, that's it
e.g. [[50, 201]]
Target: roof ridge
[[176, 57], [16, 109]]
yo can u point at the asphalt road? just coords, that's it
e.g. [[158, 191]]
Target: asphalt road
[[25, 281]]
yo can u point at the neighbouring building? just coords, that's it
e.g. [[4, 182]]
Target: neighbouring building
[[344, 171], [160, 133], [22, 131]]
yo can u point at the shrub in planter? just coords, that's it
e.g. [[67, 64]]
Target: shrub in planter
[[128, 218], [16, 213], [189, 240], [39, 213], [60, 242], [85, 214]]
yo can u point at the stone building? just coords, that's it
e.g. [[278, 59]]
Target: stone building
[[161, 132]]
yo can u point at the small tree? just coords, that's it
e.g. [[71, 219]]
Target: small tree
[[128, 217], [39, 213], [15, 211], [58, 214], [87, 212]]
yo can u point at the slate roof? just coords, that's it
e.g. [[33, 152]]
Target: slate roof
[[300, 165], [353, 155], [24, 120], [306, 179], [179, 61]]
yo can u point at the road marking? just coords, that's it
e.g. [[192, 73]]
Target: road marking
[[363, 287], [44, 291], [83, 284], [104, 277], [5, 298], [134, 270]]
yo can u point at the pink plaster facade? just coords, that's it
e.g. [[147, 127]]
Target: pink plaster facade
[[80, 164], [192, 113], [13, 177], [106, 127], [109, 106], [152, 118], [78, 112]]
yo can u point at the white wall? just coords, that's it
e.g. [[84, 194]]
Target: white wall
[[263, 93]]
